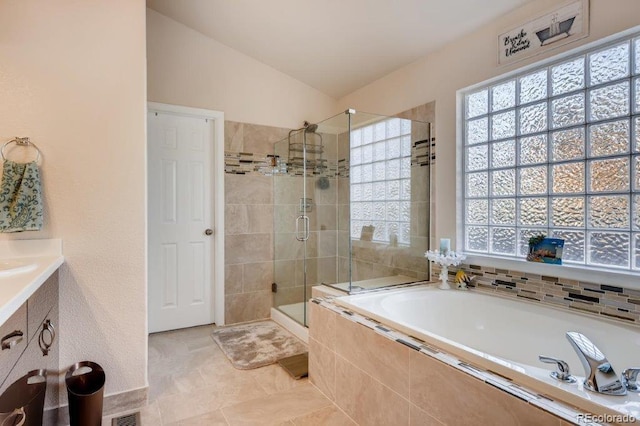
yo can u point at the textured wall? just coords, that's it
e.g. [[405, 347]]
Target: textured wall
[[72, 77]]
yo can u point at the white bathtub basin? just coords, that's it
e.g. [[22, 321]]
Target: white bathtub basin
[[10, 267], [507, 336]]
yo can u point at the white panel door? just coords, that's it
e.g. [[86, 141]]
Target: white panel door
[[180, 221]]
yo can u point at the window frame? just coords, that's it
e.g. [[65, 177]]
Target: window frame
[[604, 274]]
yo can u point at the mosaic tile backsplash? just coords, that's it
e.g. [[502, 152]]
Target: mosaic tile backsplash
[[602, 300]]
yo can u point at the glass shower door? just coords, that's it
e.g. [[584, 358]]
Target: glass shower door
[[292, 227]]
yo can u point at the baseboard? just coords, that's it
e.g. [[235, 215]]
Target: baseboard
[[112, 404], [298, 330]]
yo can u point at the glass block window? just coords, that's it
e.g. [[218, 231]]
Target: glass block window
[[556, 150], [380, 173]]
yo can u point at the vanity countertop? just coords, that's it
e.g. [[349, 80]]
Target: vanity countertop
[[42, 257]]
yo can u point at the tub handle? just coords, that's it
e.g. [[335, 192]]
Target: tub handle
[[630, 379], [563, 373]]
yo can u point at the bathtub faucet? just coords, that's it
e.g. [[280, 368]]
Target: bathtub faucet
[[600, 376]]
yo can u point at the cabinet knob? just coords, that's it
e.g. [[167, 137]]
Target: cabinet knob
[[11, 339]]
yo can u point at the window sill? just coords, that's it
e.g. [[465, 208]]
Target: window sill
[[626, 279]]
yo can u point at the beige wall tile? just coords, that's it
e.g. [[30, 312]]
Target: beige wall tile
[[287, 189], [284, 273], [322, 367], [233, 136], [236, 219], [366, 400], [361, 270], [312, 271], [330, 143], [344, 217], [260, 139], [419, 219], [327, 196], [248, 248], [233, 279], [248, 189], [327, 217], [343, 243], [247, 306], [287, 247], [329, 416], [327, 243], [289, 295], [454, 397], [328, 270], [258, 276], [285, 217], [260, 218], [277, 408], [322, 325], [378, 356]]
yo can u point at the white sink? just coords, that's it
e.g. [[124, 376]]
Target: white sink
[[12, 267]]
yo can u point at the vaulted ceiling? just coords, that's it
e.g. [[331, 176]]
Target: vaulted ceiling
[[335, 46]]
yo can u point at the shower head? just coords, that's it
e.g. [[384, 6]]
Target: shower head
[[311, 128]]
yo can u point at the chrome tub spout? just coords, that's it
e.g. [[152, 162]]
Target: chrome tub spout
[[600, 376]]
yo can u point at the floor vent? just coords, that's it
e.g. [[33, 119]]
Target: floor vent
[[127, 420]]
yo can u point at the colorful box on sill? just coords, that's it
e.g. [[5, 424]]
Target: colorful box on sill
[[548, 250]]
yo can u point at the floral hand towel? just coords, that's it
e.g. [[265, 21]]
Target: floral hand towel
[[20, 197]]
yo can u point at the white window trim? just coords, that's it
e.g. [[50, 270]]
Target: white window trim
[[592, 274]]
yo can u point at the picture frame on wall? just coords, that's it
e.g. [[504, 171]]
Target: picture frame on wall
[[565, 24]]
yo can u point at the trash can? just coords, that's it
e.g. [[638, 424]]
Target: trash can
[[85, 388], [22, 403]]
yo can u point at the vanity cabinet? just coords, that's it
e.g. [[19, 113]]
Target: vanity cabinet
[[14, 335], [36, 318]]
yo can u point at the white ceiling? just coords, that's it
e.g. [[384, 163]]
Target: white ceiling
[[335, 46]]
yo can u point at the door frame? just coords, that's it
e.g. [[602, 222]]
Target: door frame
[[217, 198]]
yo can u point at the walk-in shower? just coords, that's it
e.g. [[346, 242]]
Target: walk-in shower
[[351, 207]]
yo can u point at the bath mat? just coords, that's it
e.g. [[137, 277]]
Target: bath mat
[[257, 344]]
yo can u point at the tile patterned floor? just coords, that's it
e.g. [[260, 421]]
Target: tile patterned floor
[[191, 382]]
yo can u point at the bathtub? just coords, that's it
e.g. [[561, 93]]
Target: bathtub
[[506, 336]]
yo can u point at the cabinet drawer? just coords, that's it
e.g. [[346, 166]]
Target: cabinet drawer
[[41, 303], [8, 357], [32, 359]]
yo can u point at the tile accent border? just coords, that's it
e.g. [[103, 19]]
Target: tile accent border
[[600, 300], [557, 408]]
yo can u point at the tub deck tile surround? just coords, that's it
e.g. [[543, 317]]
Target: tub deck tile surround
[[611, 302], [428, 407]]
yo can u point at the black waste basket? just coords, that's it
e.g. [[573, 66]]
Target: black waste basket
[[85, 388], [22, 402]]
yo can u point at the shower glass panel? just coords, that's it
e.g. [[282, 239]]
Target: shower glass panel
[[351, 207]]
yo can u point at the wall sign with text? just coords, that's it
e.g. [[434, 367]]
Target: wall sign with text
[[559, 27]]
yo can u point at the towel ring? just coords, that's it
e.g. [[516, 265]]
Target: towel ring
[[21, 142]]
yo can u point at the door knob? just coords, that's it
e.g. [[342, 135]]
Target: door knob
[[208, 231]]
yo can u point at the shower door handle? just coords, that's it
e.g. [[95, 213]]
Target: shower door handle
[[305, 235]]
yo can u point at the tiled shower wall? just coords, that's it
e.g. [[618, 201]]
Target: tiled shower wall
[[248, 222], [250, 202]]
